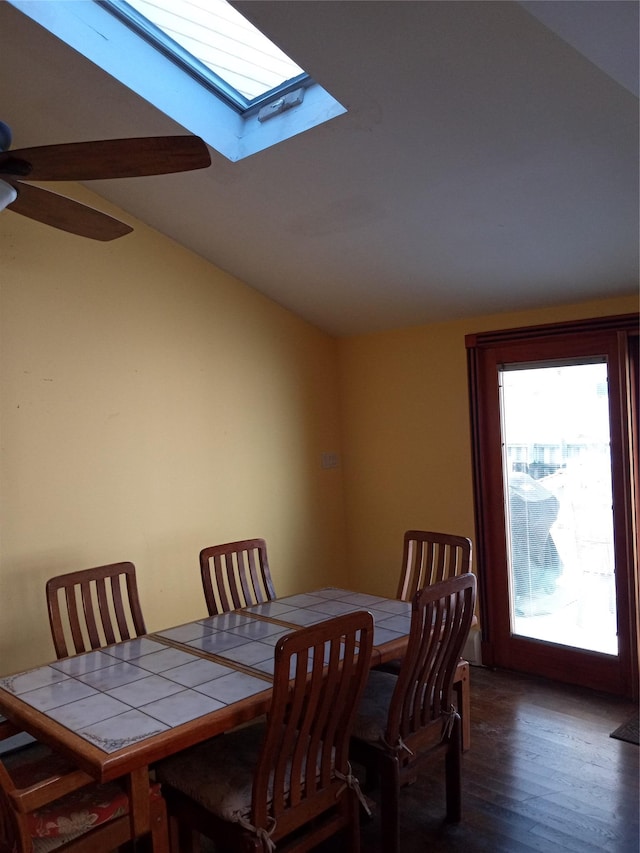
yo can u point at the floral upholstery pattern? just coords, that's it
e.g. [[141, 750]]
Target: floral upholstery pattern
[[72, 815], [75, 814]]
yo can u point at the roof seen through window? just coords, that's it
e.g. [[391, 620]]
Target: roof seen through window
[[219, 37]]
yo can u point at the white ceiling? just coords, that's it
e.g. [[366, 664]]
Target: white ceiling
[[488, 160]]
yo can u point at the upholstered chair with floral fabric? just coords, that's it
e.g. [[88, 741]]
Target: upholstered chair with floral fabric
[[48, 804]]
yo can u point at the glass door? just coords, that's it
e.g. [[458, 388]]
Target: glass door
[[558, 504], [555, 457]]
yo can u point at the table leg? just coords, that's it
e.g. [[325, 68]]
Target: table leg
[[139, 802]]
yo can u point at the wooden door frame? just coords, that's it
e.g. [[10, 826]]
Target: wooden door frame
[[490, 548]]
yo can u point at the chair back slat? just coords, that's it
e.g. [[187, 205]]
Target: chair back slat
[[101, 607], [104, 612], [319, 676], [236, 574], [75, 622], [441, 617], [430, 557], [120, 606]]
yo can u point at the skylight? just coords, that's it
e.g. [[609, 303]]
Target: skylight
[[198, 61], [216, 42]]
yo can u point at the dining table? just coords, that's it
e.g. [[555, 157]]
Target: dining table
[[119, 709]]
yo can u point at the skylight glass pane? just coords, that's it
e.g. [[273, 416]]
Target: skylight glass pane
[[224, 41]]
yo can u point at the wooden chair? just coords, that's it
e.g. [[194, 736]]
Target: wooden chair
[[286, 781], [46, 804], [429, 557], [100, 606], [403, 719], [236, 574]]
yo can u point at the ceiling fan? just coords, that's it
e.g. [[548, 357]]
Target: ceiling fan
[[87, 161]]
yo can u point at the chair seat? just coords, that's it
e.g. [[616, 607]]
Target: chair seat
[[373, 711], [196, 772], [70, 816]]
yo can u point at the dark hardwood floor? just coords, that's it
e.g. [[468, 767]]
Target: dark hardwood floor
[[542, 774]]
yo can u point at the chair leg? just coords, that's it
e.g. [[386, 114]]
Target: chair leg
[[251, 844], [453, 773], [390, 803], [352, 835], [183, 839], [463, 700], [159, 827]]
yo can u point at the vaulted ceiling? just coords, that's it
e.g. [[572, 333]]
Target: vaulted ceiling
[[488, 159]]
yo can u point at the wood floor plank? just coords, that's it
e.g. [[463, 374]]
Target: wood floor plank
[[542, 776]]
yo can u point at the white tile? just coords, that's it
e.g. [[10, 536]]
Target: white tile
[[113, 676], [23, 682], [218, 642], [83, 712], [402, 624], [384, 635], [272, 639], [233, 687], [182, 707], [270, 608], [80, 664], [392, 605], [250, 653], [166, 659], [256, 630], [378, 615], [184, 633], [224, 621], [145, 690], [60, 693], [305, 617], [302, 600], [132, 649], [331, 607], [201, 670], [363, 599], [123, 730]]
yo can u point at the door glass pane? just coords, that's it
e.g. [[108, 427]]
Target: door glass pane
[[559, 504]]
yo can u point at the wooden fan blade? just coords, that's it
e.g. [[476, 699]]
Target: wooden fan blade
[[66, 214], [108, 158]]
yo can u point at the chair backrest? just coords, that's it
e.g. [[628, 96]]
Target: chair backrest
[[93, 608], [421, 704], [429, 558], [236, 574], [320, 673]]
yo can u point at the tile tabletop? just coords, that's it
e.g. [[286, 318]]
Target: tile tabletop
[[125, 693]]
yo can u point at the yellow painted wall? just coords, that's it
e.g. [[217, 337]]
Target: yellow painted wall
[[152, 405], [406, 435]]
